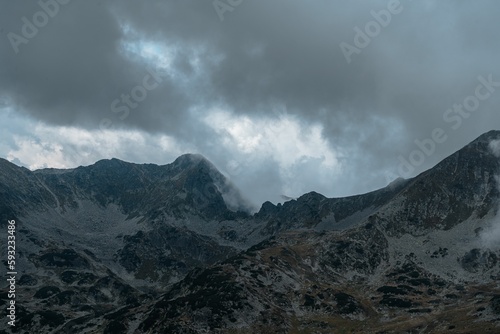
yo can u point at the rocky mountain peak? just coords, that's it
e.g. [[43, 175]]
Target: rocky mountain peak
[[123, 247], [190, 159], [487, 137]]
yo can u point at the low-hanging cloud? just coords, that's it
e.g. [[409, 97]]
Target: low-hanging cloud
[[491, 236]]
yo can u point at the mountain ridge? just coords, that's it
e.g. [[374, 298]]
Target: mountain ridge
[[145, 248]]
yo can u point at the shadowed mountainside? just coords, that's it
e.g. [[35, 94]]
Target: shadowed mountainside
[[121, 247]]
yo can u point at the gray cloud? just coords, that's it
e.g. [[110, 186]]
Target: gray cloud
[[264, 56], [490, 237]]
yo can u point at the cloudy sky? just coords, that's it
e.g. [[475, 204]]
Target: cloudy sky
[[284, 96]]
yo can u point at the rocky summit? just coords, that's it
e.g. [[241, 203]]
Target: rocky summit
[[118, 247]]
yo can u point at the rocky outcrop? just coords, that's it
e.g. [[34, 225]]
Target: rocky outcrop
[[120, 247]]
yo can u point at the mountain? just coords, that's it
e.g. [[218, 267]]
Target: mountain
[[125, 248]]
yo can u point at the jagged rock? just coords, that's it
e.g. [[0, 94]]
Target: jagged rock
[[120, 247]]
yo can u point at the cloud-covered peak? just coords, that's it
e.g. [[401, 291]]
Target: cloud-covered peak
[[261, 86]]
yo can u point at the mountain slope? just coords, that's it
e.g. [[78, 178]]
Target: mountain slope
[[91, 237], [416, 263], [120, 247]]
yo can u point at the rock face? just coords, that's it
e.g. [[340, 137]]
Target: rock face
[[124, 248]]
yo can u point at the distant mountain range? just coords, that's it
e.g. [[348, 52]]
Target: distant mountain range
[[118, 247]]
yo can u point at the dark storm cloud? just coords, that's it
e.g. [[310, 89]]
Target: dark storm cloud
[[264, 56], [75, 66]]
